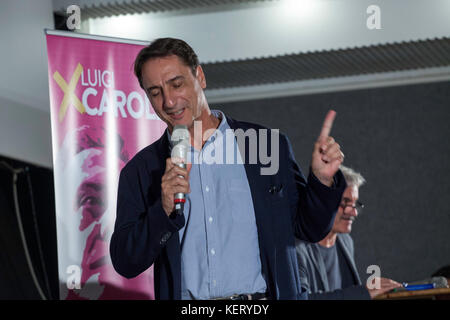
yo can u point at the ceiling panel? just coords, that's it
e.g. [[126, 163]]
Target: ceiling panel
[[328, 64], [105, 8]]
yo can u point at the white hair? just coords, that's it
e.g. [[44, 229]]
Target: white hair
[[352, 177]]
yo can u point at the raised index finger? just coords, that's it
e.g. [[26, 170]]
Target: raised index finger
[[327, 124]]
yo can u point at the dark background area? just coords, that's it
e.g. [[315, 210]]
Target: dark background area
[[397, 137], [35, 192]]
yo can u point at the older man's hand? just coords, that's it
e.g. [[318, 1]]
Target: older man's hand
[[385, 286]]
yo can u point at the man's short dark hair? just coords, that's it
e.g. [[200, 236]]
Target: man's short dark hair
[[164, 47]]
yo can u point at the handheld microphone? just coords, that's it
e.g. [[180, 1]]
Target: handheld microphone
[[180, 141]]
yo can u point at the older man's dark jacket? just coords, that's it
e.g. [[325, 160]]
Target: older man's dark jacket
[[313, 275]]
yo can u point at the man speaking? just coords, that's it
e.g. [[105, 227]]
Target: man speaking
[[235, 236]]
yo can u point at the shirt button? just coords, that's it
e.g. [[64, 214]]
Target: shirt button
[[207, 189], [213, 252], [210, 219]]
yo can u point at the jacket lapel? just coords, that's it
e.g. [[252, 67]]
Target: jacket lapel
[[172, 247], [349, 257], [262, 215]]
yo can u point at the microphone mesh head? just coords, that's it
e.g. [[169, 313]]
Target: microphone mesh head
[[180, 141], [441, 282], [180, 133]]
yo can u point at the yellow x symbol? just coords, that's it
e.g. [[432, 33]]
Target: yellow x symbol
[[69, 92]]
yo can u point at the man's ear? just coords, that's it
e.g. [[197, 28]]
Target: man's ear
[[200, 76]]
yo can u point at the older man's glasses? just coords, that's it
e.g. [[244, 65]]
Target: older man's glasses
[[348, 206]]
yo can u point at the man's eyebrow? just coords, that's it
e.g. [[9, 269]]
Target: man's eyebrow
[[168, 81], [175, 78]]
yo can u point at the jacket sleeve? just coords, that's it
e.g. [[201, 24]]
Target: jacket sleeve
[[142, 228], [313, 205]]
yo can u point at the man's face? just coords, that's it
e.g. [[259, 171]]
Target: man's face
[[345, 216], [174, 92]]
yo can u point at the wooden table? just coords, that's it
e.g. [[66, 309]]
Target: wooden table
[[437, 294]]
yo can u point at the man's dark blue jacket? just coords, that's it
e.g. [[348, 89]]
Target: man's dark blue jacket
[[285, 205]]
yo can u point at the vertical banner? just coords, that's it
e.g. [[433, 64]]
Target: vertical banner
[[100, 119]]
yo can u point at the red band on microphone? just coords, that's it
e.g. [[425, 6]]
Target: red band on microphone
[[179, 200]]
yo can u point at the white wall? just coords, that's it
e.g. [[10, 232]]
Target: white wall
[[25, 132]]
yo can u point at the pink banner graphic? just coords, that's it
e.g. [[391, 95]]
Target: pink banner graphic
[[100, 119]]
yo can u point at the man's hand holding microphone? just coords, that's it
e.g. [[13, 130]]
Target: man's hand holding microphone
[[175, 181]]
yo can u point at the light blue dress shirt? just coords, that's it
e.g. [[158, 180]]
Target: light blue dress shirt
[[219, 242]]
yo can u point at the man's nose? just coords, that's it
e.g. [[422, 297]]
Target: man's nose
[[351, 211], [169, 99]]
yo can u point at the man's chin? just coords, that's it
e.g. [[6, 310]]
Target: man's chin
[[347, 228]]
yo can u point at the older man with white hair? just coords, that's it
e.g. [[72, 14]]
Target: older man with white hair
[[327, 268]]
